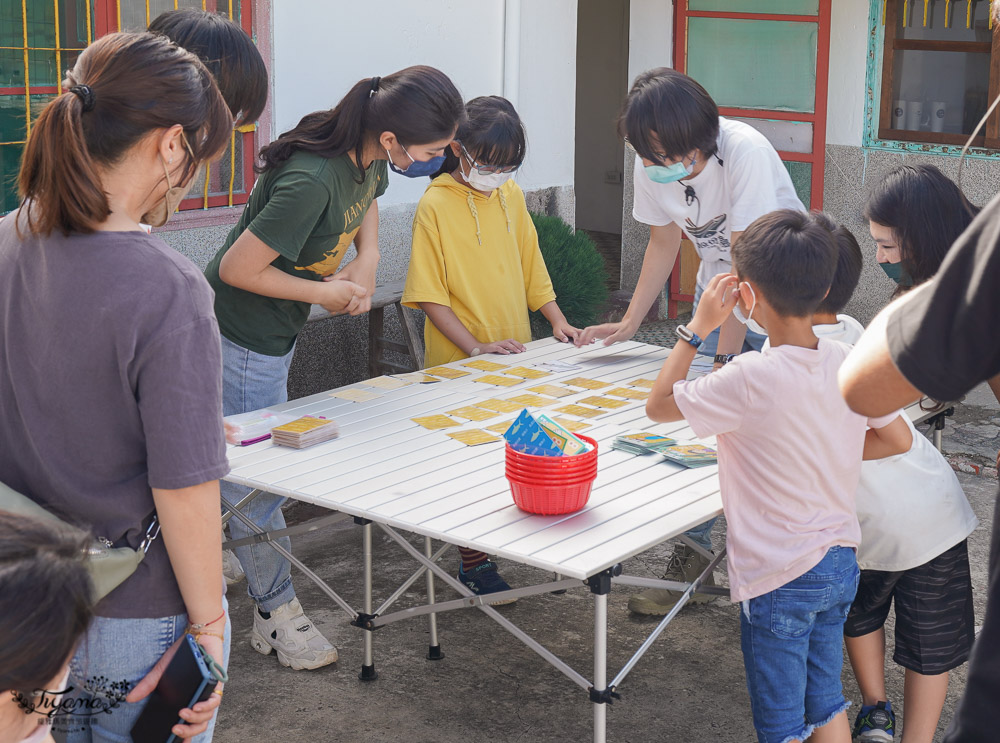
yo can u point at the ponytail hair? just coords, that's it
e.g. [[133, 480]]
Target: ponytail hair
[[492, 134], [123, 87], [419, 105]]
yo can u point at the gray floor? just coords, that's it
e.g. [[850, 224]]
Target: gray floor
[[491, 688]]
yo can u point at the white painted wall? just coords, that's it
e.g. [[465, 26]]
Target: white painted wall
[[651, 36], [845, 118], [315, 63]]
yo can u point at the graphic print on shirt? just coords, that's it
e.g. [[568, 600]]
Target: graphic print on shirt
[[354, 214], [331, 260], [709, 236]]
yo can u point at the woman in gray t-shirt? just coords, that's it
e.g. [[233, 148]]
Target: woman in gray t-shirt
[[110, 368]]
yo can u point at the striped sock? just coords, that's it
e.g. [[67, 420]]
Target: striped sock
[[471, 558]]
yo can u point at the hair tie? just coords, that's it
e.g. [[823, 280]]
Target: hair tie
[[375, 82], [86, 95]]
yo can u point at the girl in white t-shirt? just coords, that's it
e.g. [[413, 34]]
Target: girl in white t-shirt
[[913, 513]]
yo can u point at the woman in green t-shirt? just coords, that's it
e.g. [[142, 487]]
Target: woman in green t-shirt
[[316, 195]]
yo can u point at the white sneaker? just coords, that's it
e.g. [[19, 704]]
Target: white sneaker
[[232, 570], [292, 634]]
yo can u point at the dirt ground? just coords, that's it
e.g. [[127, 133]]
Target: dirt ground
[[490, 687]]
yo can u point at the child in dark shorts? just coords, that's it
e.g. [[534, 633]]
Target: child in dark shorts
[[914, 516]]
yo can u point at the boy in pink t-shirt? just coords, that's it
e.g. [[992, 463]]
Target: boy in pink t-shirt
[[790, 453]]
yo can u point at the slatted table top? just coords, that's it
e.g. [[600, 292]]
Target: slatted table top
[[386, 468]]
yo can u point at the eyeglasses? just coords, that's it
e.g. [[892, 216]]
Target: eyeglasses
[[661, 156], [488, 169]]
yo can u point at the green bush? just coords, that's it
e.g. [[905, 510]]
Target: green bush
[[577, 273]]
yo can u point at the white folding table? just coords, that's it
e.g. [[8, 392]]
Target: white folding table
[[387, 471]]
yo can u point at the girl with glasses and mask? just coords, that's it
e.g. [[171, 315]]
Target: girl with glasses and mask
[[110, 384], [475, 266], [316, 195]]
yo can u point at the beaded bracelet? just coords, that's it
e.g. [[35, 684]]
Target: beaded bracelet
[[196, 634], [192, 625]]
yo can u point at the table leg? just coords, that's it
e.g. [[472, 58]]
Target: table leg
[[434, 650], [600, 664], [368, 672]]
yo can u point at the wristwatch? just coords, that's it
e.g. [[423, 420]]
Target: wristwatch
[[688, 336], [724, 358]]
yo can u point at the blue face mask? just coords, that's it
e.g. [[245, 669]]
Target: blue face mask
[[897, 273], [417, 168], [670, 173]]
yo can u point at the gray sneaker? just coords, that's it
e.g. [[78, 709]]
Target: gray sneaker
[[232, 570], [294, 637], [685, 565]]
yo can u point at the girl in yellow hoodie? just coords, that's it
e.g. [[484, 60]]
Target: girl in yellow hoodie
[[475, 266]]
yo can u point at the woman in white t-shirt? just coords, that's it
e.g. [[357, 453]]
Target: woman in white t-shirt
[[708, 178]]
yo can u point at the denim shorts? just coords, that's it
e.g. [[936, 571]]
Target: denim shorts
[[792, 640]]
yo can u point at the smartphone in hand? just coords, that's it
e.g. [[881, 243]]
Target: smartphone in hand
[[187, 681]]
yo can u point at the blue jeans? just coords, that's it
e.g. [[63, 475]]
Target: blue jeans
[[702, 534], [251, 381], [792, 640], [113, 656]]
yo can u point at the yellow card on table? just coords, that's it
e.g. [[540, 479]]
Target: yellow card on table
[[526, 373], [641, 383], [552, 390], [386, 383], [473, 413], [303, 424], [473, 437], [603, 402], [446, 372], [500, 428], [498, 380], [416, 378], [501, 406], [580, 411], [435, 421], [535, 401], [571, 425], [356, 395], [629, 393], [484, 365], [589, 384]]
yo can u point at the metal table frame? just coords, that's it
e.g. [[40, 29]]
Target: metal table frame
[[599, 690]]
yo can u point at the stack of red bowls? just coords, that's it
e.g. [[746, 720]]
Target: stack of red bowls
[[552, 485]]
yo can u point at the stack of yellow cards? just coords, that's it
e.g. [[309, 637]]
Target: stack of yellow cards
[[304, 431]]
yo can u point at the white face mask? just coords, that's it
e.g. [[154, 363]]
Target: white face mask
[[747, 319], [489, 182]]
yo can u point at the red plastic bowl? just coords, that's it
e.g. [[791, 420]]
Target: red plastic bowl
[[550, 500], [536, 480], [551, 485]]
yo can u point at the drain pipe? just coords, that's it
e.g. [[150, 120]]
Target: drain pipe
[[511, 50]]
